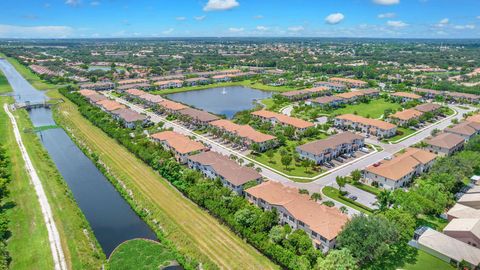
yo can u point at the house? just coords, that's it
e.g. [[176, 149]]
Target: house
[[462, 97], [306, 93], [320, 222], [171, 107], [445, 144], [375, 127], [179, 144], [99, 86], [284, 120], [214, 165], [428, 108], [132, 81], [221, 78], [151, 100], [196, 81], [331, 101], [196, 117], [405, 117], [330, 148], [474, 118], [397, 172], [350, 96], [246, 133], [336, 87], [134, 93], [352, 83], [428, 93], [462, 211], [371, 93], [93, 99], [465, 129], [168, 84], [129, 118], [87, 92], [109, 105], [143, 86], [445, 247], [405, 96], [471, 200], [466, 230]]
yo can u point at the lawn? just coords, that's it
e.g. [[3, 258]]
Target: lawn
[[427, 261], [294, 169], [335, 194], [247, 83], [140, 254], [404, 133], [192, 230], [4, 85], [374, 109], [375, 191]]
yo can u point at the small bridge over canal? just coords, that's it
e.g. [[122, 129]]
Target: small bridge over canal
[[37, 104]]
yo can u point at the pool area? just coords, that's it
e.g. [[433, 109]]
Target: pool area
[[222, 100]]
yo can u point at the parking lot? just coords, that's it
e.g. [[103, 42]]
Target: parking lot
[[344, 158]]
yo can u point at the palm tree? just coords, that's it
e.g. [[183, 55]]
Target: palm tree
[[384, 200], [316, 196], [341, 182]]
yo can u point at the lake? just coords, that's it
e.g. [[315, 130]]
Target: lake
[[109, 215], [221, 100]]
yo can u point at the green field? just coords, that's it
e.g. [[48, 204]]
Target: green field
[[247, 83], [405, 132], [4, 85], [140, 254], [427, 261], [373, 109], [192, 230]]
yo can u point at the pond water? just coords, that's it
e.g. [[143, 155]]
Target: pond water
[[222, 100], [110, 216]]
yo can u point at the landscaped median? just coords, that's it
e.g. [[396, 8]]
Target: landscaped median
[[334, 193]]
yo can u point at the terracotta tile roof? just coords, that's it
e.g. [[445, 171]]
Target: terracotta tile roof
[[244, 131], [305, 91], [318, 147], [110, 105], [168, 82], [462, 95], [407, 114], [406, 95], [474, 118], [198, 115], [427, 107], [346, 80], [445, 140], [324, 220], [227, 168], [465, 128], [96, 98], [326, 99], [152, 98], [129, 115], [180, 143], [349, 95], [367, 121], [87, 92], [402, 164], [135, 92], [292, 121], [171, 105], [428, 91], [132, 81]]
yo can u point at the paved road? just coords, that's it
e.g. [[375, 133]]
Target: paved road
[[53, 234], [316, 185]]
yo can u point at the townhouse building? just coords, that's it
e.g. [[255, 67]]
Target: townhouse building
[[99, 86], [327, 149], [197, 118], [335, 87], [320, 222], [352, 83], [465, 129], [445, 144], [405, 117], [180, 145], [330, 101], [284, 120], [129, 118], [374, 127], [306, 93], [405, 96]]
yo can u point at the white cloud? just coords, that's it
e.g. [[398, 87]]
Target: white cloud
[[236, 30], [387, 15], [168, 31], [478, 17], [15, 31], [213, 5], [386, 2], [463, 27], [397, 24], [261, 28], [95, 3], [72, 3], [200, 18], [181, 18], [258, 17], [334, 18], [444, 21], [295, 28]]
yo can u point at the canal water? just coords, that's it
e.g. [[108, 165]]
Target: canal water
[[222, 100], [109, 215]]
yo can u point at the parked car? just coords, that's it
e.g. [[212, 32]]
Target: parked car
[[388, 158], [376, 164], [364, 149], [353, 197]]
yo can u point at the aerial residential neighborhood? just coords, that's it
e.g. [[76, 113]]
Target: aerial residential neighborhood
[[240, 134]]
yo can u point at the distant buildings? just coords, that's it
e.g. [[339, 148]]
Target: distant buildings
[[99, 86], [405, 117], [129, 118], [336, 87], [284, 120], [306, 93], [374, 127], [349, 82], [405, 96]]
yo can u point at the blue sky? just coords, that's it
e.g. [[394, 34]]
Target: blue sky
[[223, 18]]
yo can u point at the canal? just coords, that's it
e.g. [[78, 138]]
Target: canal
[[222, 100], [110, 217]]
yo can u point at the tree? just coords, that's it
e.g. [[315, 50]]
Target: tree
[[343, 209], [356, 175], [341, 182], [316, 196], [286, 160], [277, 234], [369, 238], [337, 260], [270, 154], [240, 161], [384, 200], [303, 191]]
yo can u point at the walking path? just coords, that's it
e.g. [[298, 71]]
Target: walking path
[[53, 235]]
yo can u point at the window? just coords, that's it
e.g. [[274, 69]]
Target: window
[[314, 234], [323, 239], [301, 223]]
